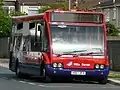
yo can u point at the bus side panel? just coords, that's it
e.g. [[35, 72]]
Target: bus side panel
[[30, 65], [31, 69]]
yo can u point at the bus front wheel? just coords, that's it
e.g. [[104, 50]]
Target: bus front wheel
[[103, 81], [47, 78]]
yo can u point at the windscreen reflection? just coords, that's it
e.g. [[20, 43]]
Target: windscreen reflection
[[71, 39]]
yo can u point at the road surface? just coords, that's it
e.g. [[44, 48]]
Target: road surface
[[8, 81]]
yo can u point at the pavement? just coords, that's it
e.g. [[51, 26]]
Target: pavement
[[114, 81], [4, 60], [4, 63]]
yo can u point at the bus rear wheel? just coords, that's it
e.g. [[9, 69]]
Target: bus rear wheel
[[18, 73]]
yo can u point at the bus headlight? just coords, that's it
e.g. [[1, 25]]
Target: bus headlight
[[97, 66], [57, 65], [102, 66], [54, 65], [60, 65]]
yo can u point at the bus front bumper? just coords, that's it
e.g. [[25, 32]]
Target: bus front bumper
[[89, 74]]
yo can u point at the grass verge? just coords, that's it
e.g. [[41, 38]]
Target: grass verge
[[114, 75]]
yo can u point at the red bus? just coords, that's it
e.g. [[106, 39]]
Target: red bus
[[59, 43]]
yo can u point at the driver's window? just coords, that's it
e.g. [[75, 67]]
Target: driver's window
[[45, 41]]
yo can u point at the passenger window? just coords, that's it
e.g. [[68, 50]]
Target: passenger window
[[26, 45], [18, 42], [19, 26], [31, 25]]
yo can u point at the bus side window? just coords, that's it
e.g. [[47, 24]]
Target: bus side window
[[31, 25], [19, 26], [26, 45], [18, 43]]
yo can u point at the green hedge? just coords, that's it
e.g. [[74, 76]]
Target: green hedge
[[111, 29]]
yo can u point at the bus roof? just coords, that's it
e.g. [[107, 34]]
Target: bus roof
[[77, 16], [70, 11], [27, 17], [40, 16]]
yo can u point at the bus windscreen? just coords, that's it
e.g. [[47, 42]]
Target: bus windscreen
[[77, 17]]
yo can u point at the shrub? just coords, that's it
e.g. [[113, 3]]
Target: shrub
[[111, 29]]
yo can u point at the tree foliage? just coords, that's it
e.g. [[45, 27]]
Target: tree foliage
[[63, 5], [5, 21], [17, 13], [44, 8], [111, 29], [5, 24]]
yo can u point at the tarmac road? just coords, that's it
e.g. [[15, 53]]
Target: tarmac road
[[8, 81]]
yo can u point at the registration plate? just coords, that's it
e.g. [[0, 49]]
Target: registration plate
[[78, 73]]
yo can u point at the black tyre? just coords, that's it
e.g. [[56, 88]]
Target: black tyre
[[47, 78], [103, 81], [18, 73]]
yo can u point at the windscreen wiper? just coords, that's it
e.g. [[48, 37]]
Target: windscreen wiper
[[80, 52], [86, 54], [58, 55], [98, 49], [83, 52], [76, 55], [75, 51]]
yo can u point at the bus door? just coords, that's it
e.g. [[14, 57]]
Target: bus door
[[31, 51]]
